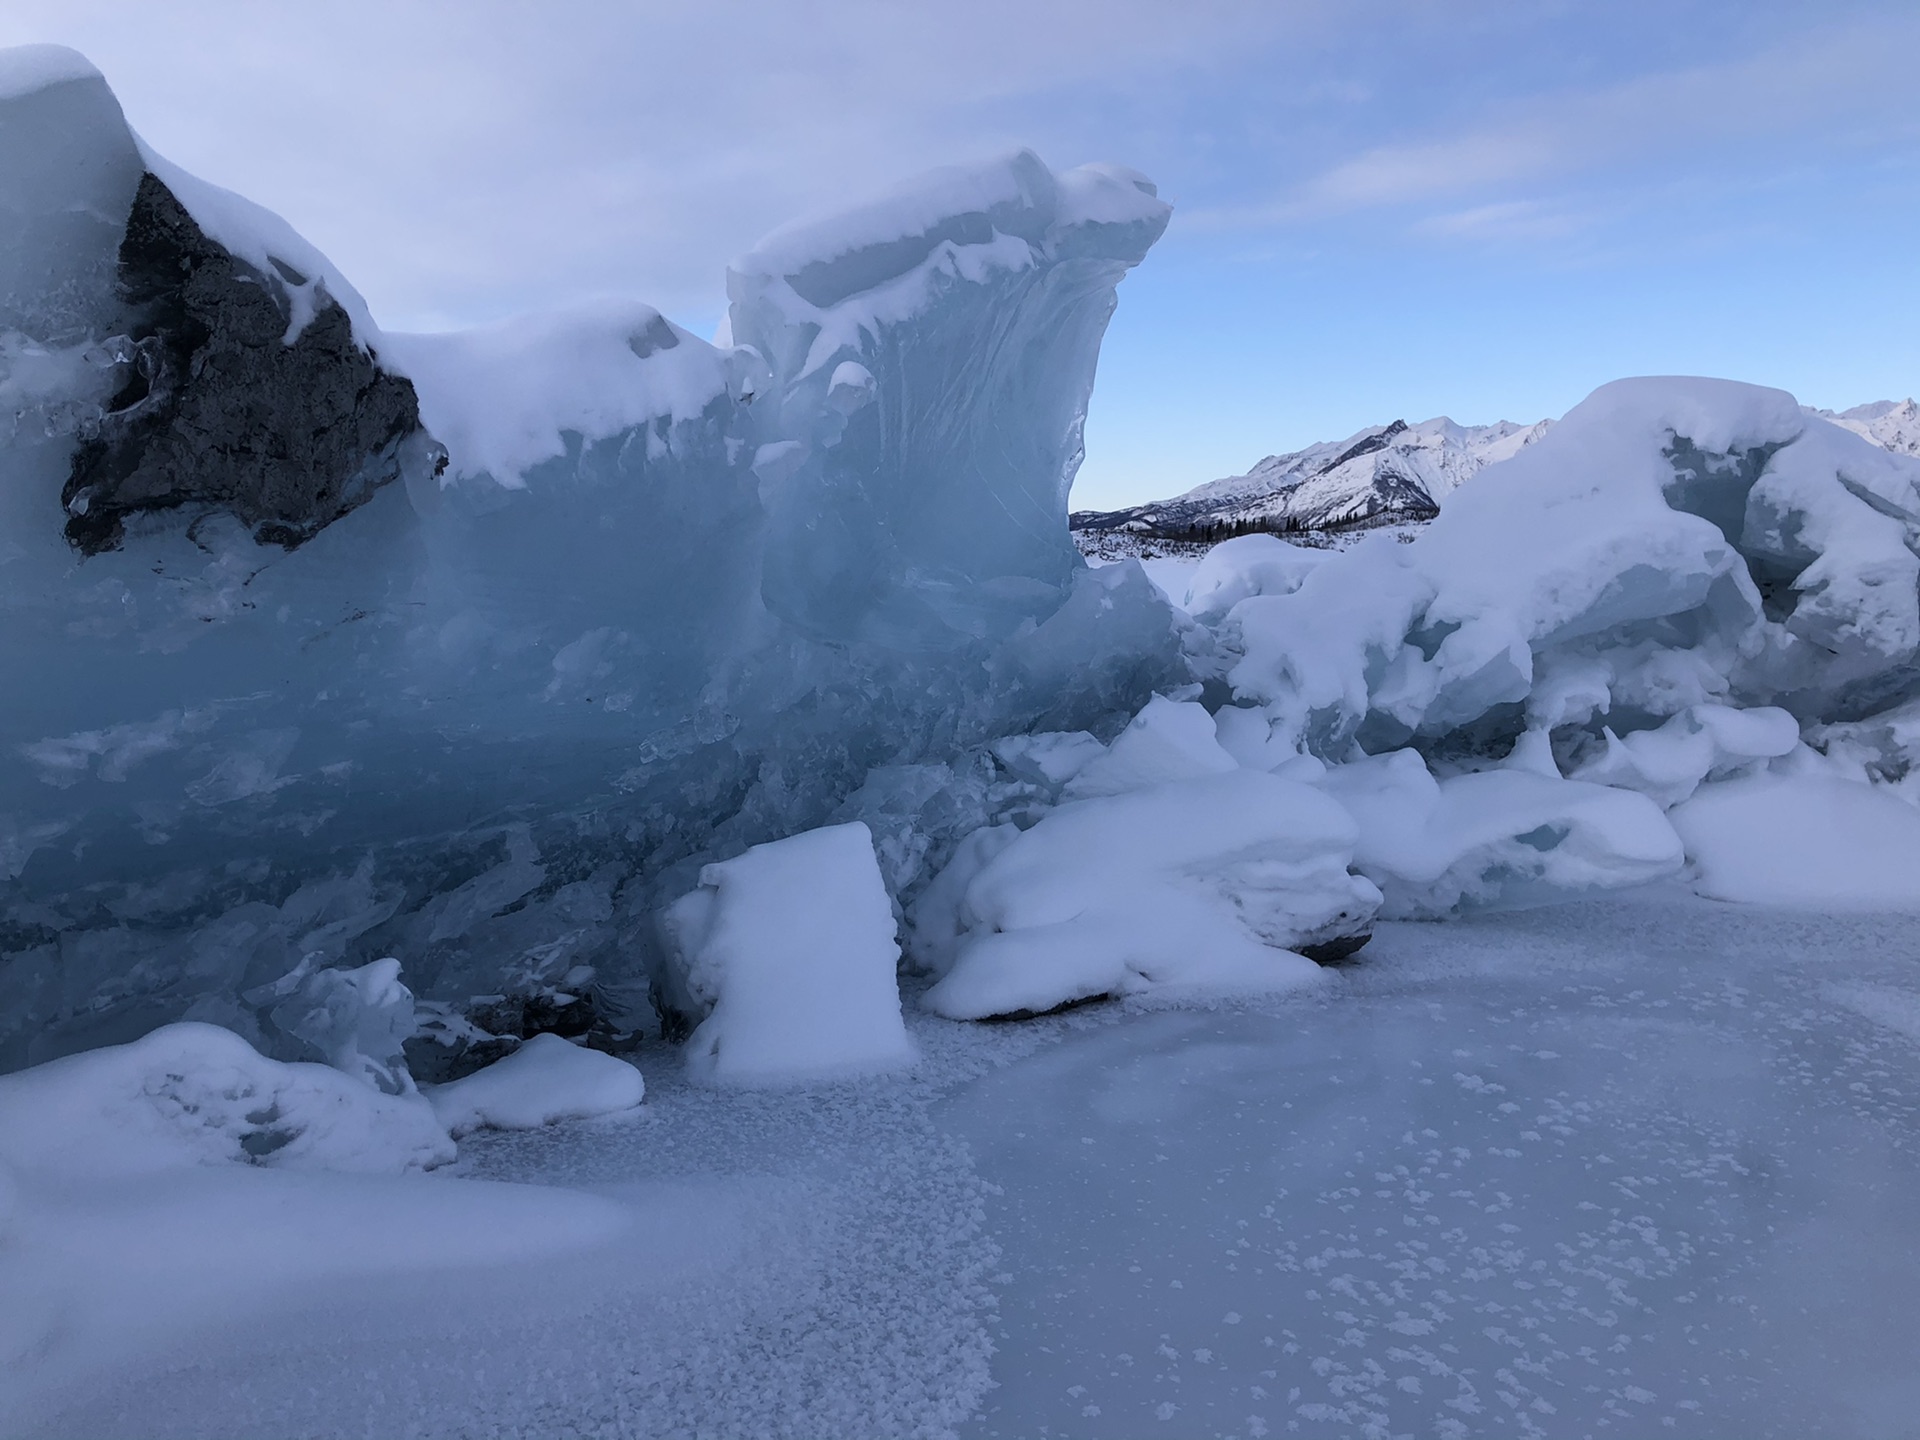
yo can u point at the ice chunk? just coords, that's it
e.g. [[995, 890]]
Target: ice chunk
[[1676, 542], [911, 503], [1803, 839], [1884, 747], [1247, 734], [662, 602], [1208, 883], [790, 951], [1496, 838], [1248, 565], [193, 1094], [359, 1020], [1049, 759], [545, 1080], [1700, 742], [1167, 740], [935, 924], [507, 397]]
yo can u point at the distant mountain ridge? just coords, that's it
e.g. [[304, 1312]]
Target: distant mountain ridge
[[1395, 474], [1384, 475], [1891, 424]]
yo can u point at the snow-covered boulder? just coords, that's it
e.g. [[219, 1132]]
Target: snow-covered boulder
[[1802, 839], [546, 1080], [1211, 883], [1496, 838], [1249, 565], [1167, 740], [788, 952], [194, 1094]]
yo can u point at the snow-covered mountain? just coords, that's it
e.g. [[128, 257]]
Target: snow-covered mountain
[[1380, 476], [1891, 424], [1388, 475]]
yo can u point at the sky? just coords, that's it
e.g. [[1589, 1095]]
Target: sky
[[1384, 209]]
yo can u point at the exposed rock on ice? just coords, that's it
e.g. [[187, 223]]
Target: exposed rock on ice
[[204, 354], [238, 388]]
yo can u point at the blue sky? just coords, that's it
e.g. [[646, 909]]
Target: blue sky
[[1385, 208]]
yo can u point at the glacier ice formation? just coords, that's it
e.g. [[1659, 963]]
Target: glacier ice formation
[[537, 629], [539, 618]]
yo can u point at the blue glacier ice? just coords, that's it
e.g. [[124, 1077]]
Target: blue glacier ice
[[488, 691]]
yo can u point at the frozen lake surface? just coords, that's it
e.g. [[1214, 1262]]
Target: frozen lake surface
[[1637, 1166]]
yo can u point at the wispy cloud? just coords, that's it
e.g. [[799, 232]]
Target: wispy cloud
[[1504, 221], [1851, 87], [459, 153]]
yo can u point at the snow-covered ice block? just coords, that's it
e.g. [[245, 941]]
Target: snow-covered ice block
[[194, 1094], [1204, 883], [1495, 838], [1702, 741], [910, 515], [1802, 839], [935, 927], [1245, 566], [359, 1020], [1680, 541], [656, 600], [789, 950], [1049, 759], [545, 1080], [1167, 740], [1884, 747]]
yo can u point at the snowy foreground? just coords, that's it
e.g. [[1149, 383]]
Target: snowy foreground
[[569, 879], [1635, 1166]]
